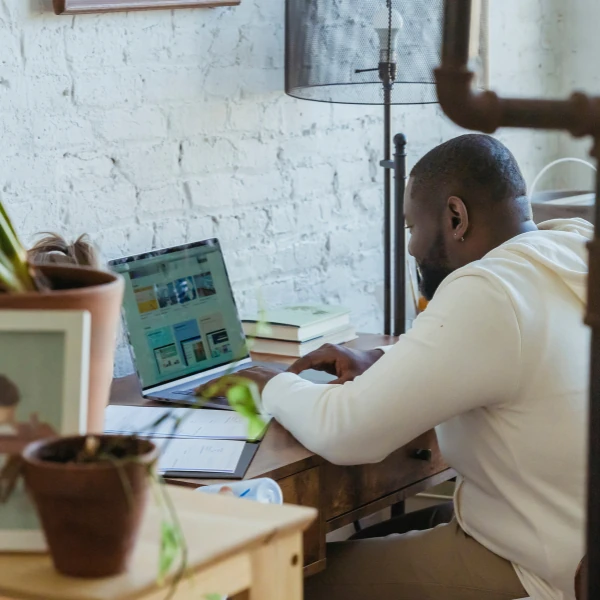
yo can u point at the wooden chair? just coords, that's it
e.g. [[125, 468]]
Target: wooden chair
[[581, 579]]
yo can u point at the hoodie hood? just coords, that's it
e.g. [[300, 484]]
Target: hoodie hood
[[560, 246]]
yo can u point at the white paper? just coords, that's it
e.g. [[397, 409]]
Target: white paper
[[194, 423], [215, 456]]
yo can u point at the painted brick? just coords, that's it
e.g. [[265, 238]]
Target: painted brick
[[95, 89], [198, 118], [146, 166], [142, 124], [173, 84]]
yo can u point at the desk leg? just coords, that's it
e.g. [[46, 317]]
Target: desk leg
[[398, 509], [277, 570]]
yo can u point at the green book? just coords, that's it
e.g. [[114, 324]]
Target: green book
[[296, 323]]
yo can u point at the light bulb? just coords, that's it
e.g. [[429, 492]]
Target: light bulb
[[381, 24]]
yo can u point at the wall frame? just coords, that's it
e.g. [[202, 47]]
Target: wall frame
[[75, 7]]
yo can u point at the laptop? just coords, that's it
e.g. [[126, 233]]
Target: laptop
[[182, 322]]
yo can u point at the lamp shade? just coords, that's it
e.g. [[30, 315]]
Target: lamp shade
[[333, 49]]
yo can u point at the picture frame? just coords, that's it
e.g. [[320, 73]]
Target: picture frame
[[74, 7], [44, 375]]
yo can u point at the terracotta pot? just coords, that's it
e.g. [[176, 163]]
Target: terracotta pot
[[90, 512], [101, 294]]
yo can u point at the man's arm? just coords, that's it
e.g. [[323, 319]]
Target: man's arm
[[462, 353], [343, 362]]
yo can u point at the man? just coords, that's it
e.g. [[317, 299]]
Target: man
[[498, 363]]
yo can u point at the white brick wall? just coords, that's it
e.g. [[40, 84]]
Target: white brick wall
[[578, 70], [155, 128]]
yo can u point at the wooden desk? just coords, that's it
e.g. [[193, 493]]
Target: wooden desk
[[235, 547], [341, 494]]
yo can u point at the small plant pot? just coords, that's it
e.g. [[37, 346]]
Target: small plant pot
[[90, 511]]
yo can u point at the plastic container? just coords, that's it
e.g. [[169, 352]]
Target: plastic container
[[265, 491]]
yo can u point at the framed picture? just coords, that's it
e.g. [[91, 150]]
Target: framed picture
[[72, 7], [43, 393]]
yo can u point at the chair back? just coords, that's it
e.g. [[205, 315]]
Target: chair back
[[581, 579]]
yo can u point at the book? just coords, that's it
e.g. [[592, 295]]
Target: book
[[300, 349], [297, 323]]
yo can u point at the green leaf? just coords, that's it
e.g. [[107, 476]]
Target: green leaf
[[9, 280], [14, 251], [7, 219], [213, 597], [170, 544], [241, 398], [256, 426]]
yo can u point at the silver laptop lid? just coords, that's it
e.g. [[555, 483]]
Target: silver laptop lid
[[180, 313]]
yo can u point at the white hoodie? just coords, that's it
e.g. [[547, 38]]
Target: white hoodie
[[499, 364]]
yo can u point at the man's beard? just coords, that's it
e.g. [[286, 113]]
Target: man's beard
[[433, 270]]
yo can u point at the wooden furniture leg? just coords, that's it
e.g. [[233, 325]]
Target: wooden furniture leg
[[277, 570]]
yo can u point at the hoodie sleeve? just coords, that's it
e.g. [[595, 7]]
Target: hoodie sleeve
[[462, 353]]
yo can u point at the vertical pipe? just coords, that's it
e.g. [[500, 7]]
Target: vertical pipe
[[387, 209], [399, 236], [457, 37], [593, 524]]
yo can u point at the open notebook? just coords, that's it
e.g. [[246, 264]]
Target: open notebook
[[207, 443], [193, 423]]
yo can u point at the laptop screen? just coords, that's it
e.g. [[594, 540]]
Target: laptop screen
[[180, 312]]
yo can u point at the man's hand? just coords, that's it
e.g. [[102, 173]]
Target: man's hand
[[218, 387], [343, 362]]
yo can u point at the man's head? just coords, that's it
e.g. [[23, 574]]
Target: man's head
[[463, 199]]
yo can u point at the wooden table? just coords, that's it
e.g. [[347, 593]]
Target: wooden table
[[341, 494], [237, 548]]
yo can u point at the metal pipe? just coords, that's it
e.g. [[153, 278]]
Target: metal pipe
[[485, 111], [580, 115], [387, 212], [399, 236]]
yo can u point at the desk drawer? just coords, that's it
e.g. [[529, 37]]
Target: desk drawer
[[347, 488]]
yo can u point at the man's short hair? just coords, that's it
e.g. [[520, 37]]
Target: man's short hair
[[474, 165]]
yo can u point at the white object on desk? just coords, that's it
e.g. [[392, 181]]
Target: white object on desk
[[204, 423], [263, 490], [193, 455]]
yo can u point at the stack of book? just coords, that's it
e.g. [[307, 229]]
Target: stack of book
[[297, 330]]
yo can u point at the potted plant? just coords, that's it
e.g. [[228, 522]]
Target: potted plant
[[90, 493], [25, 285]]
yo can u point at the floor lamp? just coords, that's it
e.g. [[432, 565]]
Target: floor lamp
[[378, 52]]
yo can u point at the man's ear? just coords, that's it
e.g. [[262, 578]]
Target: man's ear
[[459, 218]]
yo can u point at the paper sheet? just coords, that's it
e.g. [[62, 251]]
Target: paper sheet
[[215, 456], [195, 423]]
